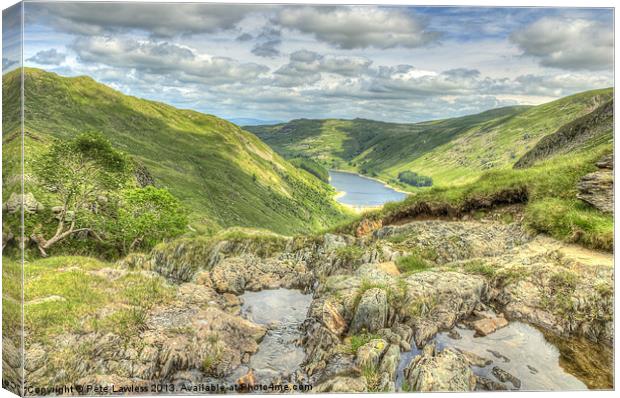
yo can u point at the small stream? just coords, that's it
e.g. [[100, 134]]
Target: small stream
[[282, 311], [524, 352]]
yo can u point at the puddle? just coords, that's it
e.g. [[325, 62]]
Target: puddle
[[282, 311], [524, 352]]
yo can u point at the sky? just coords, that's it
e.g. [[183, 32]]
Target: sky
[[277, 63]]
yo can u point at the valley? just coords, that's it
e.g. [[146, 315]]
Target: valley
[[296, 254]]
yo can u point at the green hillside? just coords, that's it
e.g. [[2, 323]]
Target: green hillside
[[452, 151], [223, 174]]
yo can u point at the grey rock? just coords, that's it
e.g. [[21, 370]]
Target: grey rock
[[447, 370], [371, 313], [504, 377]]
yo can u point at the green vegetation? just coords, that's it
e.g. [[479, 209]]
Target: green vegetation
[[415, 180], [412, 263], [358, 340], [86, 187], [350, 253], [479, 267], [548, 190], [451, 151], [65, 294], [312, 167], [224, 175]]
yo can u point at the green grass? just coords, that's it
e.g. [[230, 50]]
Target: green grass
[[358, 340], [412, 263], [65, 294], [223, 174], [547, 189], [479, 267]]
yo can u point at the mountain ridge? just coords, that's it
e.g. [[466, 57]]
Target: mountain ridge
[[451, 151], [225, 175]]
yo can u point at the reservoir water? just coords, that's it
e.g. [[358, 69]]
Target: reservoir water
[[360, 191]]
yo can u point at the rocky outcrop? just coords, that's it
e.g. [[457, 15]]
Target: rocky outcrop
[[364, 312], [236, 274], [447, 370], [572, 135], [597, 188], [371, 312]]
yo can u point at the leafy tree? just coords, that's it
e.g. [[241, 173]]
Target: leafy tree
[[414, 179], [80, 173], [146, 216]]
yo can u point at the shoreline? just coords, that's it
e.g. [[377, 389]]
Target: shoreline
[[355, 208], [371, 178]]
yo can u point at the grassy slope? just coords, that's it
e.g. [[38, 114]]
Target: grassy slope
[[451, 151], [226, 176], [550, 191]]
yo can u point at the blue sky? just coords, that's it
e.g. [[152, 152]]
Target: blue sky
[[401, 64]]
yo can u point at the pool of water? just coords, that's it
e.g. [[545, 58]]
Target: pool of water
[[524, 352], [282, 311], [360, 191]]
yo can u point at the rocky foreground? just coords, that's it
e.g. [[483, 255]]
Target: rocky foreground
[[364, 315]]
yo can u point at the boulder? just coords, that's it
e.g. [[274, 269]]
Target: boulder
[[447, 370], [371, 313], [486, 326], [332, 319], [367, 226], [369, 354], [390, 360]]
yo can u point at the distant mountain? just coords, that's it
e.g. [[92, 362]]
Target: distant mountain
[[242, 121], [450, 151], [223, 174]]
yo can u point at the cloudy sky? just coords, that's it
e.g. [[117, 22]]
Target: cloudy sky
[[264, 62]]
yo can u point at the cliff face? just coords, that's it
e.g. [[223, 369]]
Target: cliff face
[[594, 127]]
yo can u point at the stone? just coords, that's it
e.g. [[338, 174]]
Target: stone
[[504, 377], [486, 326], [13, 203], [475, 359], [597, 188], [371, 313], [369, 354], [498, 355], [247, 381], [332, 319], [389, 268], [486, 384], [447, 370], [342, 384], [390, 360], [367, 226]]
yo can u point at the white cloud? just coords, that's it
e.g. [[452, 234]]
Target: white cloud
[[157, 57], [48, 57], [359, 27], [158, 19], [568, 43]]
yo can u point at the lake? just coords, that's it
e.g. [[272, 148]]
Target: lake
[[360, 191]]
